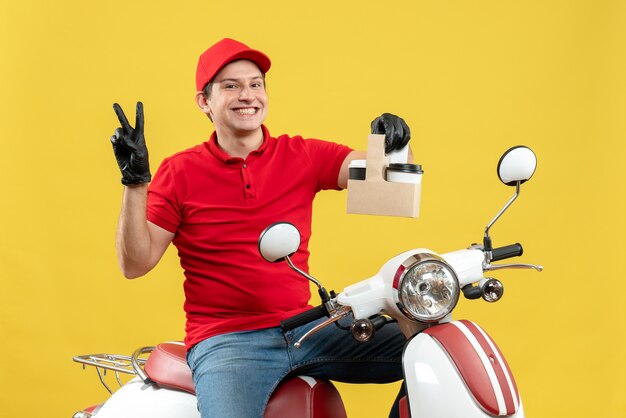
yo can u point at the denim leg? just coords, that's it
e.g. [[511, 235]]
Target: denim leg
[[235, 373], [333, 354]]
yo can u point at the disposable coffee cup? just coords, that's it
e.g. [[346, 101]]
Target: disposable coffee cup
[[405, 173], [357, 169]]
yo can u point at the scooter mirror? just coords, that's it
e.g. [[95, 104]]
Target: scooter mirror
[[278, 241], [517, 164]]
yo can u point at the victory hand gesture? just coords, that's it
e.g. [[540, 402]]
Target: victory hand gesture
[[129, 146]]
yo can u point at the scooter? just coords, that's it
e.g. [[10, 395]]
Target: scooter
[[451, 368]]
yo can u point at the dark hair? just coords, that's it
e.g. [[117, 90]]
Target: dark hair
[[206, 90]]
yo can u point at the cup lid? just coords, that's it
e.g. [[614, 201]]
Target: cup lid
[[406, 168], [357, 164]]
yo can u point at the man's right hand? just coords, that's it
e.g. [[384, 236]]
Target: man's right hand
[[129, 146]]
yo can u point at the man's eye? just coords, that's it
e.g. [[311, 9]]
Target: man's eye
[[257, 85], [230, 86]]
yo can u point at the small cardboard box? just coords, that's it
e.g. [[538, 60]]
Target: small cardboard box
[[377, 196]]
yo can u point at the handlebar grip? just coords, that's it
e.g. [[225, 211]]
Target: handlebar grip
[[303, 318], [508, 251]]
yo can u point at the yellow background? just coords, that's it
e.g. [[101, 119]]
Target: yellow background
[[471, 78]]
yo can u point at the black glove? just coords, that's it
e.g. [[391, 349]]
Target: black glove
[[129, 146], [396, 131]]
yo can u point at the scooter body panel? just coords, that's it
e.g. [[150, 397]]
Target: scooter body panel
[[137, 399], [439, 385]]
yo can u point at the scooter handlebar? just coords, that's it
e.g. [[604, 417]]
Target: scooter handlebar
[[303, 318], [508, 251]]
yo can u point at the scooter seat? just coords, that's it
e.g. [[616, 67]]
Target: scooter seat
[[299, 396], [167, 367], [306, 397]]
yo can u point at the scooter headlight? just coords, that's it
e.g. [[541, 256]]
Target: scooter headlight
[[426, 288]]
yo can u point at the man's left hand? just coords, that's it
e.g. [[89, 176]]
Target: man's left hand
[[396, 131]]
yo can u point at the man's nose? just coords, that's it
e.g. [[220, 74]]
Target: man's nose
[[245, 94]]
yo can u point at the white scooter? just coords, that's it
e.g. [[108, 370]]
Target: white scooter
[[452, 369]]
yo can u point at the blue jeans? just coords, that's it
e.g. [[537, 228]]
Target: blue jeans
[[235, 373]]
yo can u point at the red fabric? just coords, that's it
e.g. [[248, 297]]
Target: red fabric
[[217, 206], [225, 51]]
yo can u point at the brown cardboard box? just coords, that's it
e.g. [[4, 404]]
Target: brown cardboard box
[[375, 195]]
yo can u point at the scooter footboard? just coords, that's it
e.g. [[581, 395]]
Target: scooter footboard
[[456, 370]]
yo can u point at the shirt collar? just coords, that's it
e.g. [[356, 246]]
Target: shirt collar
[[222, 156]]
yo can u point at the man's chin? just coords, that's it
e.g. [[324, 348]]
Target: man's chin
[[246, 130]]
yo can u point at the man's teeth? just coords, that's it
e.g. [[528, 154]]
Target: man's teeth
[[247, 111]]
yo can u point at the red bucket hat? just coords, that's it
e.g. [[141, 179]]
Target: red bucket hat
[[223, 52]]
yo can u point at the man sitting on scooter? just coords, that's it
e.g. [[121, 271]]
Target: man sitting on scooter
[[212, 202]]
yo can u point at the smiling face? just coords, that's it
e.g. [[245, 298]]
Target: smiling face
[[237, 103]]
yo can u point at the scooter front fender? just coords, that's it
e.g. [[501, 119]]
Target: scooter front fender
[[139, 400], [455, 370]]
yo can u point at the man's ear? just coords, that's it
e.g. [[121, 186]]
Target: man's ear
[[203, 104]]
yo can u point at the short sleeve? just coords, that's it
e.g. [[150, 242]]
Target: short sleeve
[[327, 157], [163, 208]]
